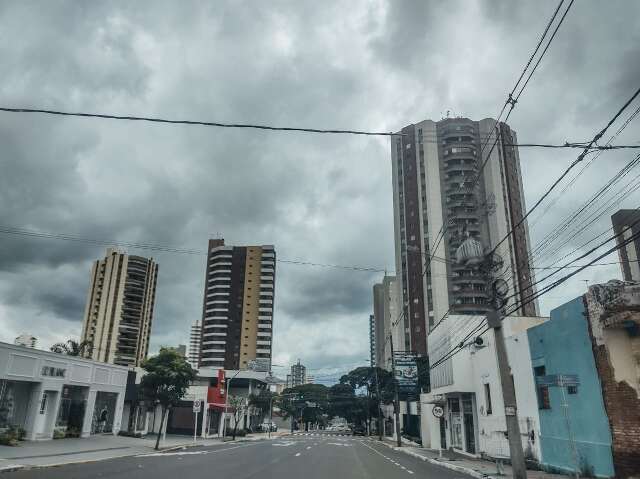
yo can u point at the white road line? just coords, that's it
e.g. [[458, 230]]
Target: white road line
[[308, 447], [387, 458], [297, 454]]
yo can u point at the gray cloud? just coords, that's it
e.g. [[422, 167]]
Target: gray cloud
[[320, 198]]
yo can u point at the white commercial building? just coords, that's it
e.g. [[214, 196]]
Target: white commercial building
[[466, 390], [53, 395]]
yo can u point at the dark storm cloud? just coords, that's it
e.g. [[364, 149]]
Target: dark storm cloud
[[374, 65]]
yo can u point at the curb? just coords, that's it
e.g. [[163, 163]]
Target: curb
[[17, 467], [11, 468], [453, 467]]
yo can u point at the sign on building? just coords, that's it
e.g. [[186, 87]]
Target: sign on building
[[406, 372], [260, 365], [559, 380]]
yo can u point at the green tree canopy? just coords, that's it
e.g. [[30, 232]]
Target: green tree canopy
[[73, 348], [167, 378], [309, 401]]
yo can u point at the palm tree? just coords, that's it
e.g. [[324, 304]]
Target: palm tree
[[73, 348]]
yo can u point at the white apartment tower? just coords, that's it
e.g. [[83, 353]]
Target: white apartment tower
[[435, 193]]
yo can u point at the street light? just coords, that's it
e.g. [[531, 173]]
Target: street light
[[226, 402]]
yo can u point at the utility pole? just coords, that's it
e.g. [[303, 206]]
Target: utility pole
[[509, 396], [471, 252], [380, 423], [396, 402]]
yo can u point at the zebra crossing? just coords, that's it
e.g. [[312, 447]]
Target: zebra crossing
[[322, 434]]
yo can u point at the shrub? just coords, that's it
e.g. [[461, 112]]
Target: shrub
[[59, 434], [7, 439]]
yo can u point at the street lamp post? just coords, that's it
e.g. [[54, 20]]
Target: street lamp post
[[226, 403]]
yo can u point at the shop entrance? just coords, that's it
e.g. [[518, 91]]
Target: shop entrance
[[469, 427], [455, 423], [73, 403], [104, 412]]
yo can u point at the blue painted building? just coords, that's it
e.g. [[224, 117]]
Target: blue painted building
[[562, 346]]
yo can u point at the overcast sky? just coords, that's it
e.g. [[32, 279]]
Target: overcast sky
[[361, 65]]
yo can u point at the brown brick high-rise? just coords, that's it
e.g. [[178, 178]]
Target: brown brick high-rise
[[237, 311]]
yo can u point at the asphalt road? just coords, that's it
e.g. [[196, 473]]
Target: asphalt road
[[290, 457]]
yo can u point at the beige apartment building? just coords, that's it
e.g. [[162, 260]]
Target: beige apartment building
[[119, 310]]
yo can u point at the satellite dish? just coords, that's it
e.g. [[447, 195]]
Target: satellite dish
[[500, 288]]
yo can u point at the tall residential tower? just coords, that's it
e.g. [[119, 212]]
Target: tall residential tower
[[626, 223], [438, 203], [237, 310], [119, 310]]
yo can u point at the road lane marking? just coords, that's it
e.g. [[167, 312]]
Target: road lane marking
[[192, 453], [308, 447], [386, 457], [297, 454]]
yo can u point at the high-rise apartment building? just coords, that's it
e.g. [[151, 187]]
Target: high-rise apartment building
[[435, 166], [385, 312], [195, 336], [372, 339], [627, 222], [119, 309], [237, 311], [26, 340], [298, 374]]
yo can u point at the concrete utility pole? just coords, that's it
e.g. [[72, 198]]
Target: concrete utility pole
[[396, 402], [509, 397], [471, 252], [380, 423]]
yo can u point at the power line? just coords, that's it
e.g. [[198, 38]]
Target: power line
[[535, 296], [566, 172], [167, 249], [279, 128], [511, 100], [195, 122]]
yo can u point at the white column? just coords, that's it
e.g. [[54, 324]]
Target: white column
[[33, 419], [88, 413], [117, 417], [205, 418]]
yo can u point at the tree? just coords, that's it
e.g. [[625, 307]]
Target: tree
[[307, 402], [365, 378], [238, 405], [167, 378], [73, 348], [263, 400]]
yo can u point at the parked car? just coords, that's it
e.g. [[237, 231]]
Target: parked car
[[266, 427], [358, 431]]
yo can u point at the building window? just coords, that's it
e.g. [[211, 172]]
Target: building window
[[544, 401], [43, 403], [487, 398], [572, 389]]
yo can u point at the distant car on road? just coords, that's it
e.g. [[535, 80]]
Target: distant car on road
[[266, 427], [358, 431]]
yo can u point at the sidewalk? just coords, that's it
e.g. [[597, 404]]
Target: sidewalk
[[95, 448], [478, 468]]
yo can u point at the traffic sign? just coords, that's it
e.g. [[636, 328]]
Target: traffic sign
[[438, 411], [197, 405]]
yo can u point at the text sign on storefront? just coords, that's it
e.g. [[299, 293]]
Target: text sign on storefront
[[53, 372]]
